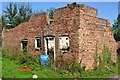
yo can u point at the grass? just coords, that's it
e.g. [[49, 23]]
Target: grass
[[0, 64], [104, 73], [11, 63], [10, 70]]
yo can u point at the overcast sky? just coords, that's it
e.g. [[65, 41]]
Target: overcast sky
[[107, 10]]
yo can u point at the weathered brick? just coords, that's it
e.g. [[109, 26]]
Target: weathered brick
[[79, 21]]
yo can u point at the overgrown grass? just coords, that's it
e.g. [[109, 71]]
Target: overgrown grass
[[119, 62], [107, 72], [0, 63], [10, 70], [24, 58], [106, 57], [13, 60]]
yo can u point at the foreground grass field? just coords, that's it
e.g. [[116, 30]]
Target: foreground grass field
[[10, 70], [11, 63]]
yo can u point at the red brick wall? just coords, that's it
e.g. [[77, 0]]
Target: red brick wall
[[66, 22], [79, 22], [84, 28], [94, 30], [28, 30]]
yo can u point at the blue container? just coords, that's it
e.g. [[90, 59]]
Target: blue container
[[44, 60]]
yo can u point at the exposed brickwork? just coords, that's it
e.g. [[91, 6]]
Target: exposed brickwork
[[95, 30], [85, 29], [78, 21], [28, 30]]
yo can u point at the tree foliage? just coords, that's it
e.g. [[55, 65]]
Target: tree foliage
[[0, 20], [116, 28], [50, 12], [15, 14]]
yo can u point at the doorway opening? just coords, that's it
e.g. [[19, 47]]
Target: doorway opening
[[49, 43], [24, 45]]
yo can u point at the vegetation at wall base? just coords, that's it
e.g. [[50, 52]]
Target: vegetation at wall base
[[118, 63], [96, 56], [11, 64]]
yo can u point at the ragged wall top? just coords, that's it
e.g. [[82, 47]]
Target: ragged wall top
[[27, 30], [66, 21], [87, 9], [95, 33], [86, 31]]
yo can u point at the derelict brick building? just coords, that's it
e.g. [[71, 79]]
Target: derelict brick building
[[75, 33]]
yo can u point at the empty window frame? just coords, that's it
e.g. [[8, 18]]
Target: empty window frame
[[24, 45], [37, 42], [64, 42]]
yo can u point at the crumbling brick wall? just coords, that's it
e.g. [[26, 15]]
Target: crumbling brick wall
[[94, 33], [66, 22], [27, 30], [85, 30], [80, 22]]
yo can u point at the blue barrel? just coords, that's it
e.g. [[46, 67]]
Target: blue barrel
[[44, 60]]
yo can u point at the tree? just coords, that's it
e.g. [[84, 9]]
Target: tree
[[116, 28], [3, 23], [0, 31], [15, 14], [0, 24], [0, 20], [50, 12]]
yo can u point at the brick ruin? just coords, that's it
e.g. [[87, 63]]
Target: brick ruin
[[73, 33]]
